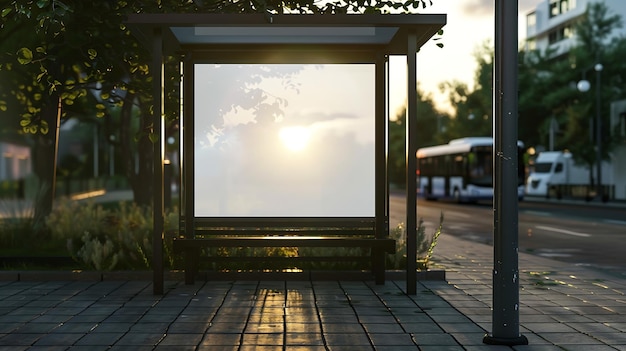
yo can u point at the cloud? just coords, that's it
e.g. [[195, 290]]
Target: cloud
[[483, 8], [478, 8]]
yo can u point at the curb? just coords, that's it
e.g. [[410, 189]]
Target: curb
[[95, 276]]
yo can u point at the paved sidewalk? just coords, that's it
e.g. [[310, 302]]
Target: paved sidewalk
[[563, 307]]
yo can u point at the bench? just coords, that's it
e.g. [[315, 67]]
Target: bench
[[288, 232]]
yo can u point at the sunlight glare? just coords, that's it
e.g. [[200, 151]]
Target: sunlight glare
[[294, 138]]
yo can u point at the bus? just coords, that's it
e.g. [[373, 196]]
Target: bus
[[461, 170]]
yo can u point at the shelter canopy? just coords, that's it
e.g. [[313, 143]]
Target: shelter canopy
[[262, 32]]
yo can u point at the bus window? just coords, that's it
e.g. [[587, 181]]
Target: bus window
[[481, 167]]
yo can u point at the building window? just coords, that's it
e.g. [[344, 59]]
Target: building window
[[8, 168], [531, 20], [559, 7], [560, 33]]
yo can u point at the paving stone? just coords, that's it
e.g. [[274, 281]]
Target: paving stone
[[303, 339], [384, 339], [347, 339], [99, 339], [186, 339]]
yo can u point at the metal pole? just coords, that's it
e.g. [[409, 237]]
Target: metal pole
[[380, 191], [53, 186], [600, 191], [96, 148], [157, 185], [411, 163], [505, 313]]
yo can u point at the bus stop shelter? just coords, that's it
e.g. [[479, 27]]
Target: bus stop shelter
[[286, 39]]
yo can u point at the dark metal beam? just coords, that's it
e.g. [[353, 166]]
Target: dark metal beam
[[411, 166], [380, 191], [505, 322], [187, 189], [157, 185]]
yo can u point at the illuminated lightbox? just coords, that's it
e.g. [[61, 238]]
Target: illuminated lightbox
[[291, 140]]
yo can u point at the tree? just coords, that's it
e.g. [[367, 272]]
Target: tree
[[596, 46], [57, 54], [61, 54], [473, 111], [548, 86], [430, 132], [534, 86]]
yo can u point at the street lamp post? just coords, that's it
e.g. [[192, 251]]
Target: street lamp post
[[584, 86]]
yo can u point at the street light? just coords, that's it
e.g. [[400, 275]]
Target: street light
[[584, 86]]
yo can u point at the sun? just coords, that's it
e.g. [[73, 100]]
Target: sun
[[294, 138]]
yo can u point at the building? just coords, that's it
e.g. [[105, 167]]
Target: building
[[618, 158], [16, 161], [551, 26]]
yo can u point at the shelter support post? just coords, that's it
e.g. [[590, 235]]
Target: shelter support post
[[411, 166], [157, 185], [381, 195], [187, 157], [505, 314]]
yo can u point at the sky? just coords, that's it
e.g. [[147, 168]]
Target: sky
[[469, 24]]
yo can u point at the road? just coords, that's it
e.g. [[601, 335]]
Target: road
[[578, 234]]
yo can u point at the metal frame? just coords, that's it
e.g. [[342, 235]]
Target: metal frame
[[264, 38]]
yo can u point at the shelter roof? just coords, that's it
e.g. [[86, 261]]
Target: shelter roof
[[263, 32]]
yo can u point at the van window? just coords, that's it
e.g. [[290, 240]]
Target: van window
[[559, 168], [543, 167]]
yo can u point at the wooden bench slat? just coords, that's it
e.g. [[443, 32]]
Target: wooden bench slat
[[300, 232], [387, 245]]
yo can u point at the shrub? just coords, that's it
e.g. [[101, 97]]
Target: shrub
[[425, 245], [121, 238], [105, 239], [17, 224]]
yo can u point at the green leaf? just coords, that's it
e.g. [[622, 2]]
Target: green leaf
[[44, 128], [24, 122], [25, 56], [92, 53], [42, 3], [6, 11]]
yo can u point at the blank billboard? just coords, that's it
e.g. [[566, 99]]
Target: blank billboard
[[289, 140]]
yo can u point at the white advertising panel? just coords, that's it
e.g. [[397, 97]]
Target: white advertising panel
[[284, 140]]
